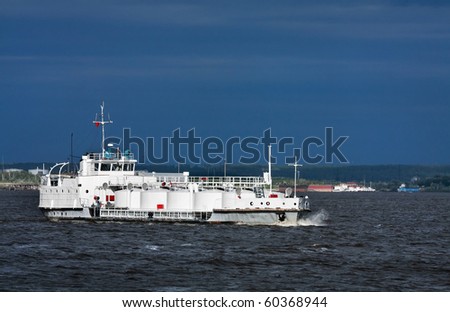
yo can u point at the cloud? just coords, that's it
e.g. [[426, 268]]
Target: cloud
[[238, 40], [363, 19], [215, 69]]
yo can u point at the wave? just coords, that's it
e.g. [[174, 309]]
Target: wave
[[319, 218]]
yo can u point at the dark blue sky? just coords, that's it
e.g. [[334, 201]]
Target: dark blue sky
[[376, 71]]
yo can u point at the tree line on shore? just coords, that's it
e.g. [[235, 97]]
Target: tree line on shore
[[381, 177]]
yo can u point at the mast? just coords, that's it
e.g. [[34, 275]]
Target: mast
[[295, 164], [270, 169], [225, 167], [102, 122]]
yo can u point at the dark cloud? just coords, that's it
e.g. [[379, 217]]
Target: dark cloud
[[364, 67]]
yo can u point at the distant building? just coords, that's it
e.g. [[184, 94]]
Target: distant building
[[12, 170], [321, 188], [300, 188], [39, 171]]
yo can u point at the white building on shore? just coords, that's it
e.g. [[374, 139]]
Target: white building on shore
[[39, 171]]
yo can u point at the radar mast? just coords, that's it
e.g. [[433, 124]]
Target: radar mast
[[102, 122]]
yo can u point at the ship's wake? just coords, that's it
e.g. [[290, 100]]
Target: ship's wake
[[319, 218]]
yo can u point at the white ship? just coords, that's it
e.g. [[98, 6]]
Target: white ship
[[107, 187], [352, 187]]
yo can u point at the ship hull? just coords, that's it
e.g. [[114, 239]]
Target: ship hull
[[258, 216], [244, 216], [56, 214]]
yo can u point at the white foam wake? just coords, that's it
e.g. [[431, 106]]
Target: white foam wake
[[318, 218]]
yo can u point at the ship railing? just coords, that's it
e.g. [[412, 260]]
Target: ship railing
[[175, 215], [181, 215], [123, 214], [146, 215], [170, 179], [218, 182], [108, 155], [212, 182]]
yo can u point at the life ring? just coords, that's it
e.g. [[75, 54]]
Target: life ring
[[267, 203]]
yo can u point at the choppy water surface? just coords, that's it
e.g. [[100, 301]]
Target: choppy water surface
[[352, 242]]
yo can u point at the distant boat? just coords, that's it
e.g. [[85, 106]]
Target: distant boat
[[403, 188], [352, 187]]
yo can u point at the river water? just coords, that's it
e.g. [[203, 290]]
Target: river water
[[351, 242]]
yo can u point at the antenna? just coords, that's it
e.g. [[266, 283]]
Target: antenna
[[225, 167], [102, 122], [270, 168], [295, 164]]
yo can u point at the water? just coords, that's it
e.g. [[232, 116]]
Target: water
[[352, 242]]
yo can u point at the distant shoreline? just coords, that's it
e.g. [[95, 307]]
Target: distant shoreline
[[19, 186], [385, 178]]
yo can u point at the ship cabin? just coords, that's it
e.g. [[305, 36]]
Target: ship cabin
[[108, 164]]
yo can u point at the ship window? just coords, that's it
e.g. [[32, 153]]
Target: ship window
[[105, 167], [87, 191], [117, 167]]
